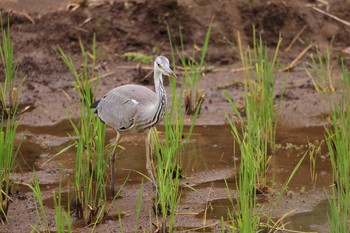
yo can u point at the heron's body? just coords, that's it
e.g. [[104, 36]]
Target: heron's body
[[134, 108], [131, 108]]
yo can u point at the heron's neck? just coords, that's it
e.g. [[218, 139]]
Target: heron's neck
[[158, 111], [159, 88]]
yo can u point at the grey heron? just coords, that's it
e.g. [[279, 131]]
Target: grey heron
[[135, 109]]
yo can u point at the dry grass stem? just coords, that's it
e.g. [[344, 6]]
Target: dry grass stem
[[297, 36], [297, 59], [347, 23]]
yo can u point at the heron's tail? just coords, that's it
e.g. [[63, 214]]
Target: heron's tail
[[94, 105]]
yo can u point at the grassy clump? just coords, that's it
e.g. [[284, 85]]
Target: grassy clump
[[9, 123], [259, 98], [62, 217], [8, 154], [169, 152], [167, 177], [9, 100], [91, 164], [192, 74], [338, 143], [246, 217], [42, 223], [320, 71], [256, 133], [251, 149]]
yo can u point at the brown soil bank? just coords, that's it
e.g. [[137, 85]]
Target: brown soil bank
[[141, 26]]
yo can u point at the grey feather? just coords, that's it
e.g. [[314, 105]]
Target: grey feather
[[120, 107]]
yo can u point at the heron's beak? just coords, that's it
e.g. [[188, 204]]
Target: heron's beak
[[169, 72]]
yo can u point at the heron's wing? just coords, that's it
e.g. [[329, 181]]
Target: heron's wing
[[118, 111], [120, 106], [139, 93]]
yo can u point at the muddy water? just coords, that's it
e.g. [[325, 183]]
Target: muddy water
[[208, 162]]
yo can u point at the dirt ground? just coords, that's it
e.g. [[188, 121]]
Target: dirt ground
[[141, 26], [39, 27]]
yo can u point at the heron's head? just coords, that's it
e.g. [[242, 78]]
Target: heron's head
[[162, 65]]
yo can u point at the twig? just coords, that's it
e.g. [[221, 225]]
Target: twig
[[25, 109], [146, 76], [241, 69], [80, 29], [7, 195], [187, 213], [296, 60], [66, 94], [100, 77], [324, 3], [90, 81], [73, 6], [24, 14], [332, 16], [85, 22], [295, 39], [207, 205]]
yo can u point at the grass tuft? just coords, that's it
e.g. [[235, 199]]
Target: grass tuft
[[169, 152], [259, 100], [62, 216], [255, 134], [9, 123], [42, 224], [338, 143], [320, 71], [192, 73], [9, 100], [91, 164]]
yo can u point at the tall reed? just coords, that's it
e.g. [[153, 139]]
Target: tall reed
[[246, 216], [262, 112], [247, 137], [8, 154], [167, 178], [320, 71], [256, 133], [9, 100], [338, 143], [192, 73], [62, 215], [42, 224], [90, 161], [8, 125], [170, 151]]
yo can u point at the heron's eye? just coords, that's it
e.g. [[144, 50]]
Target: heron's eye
[[159, 65]]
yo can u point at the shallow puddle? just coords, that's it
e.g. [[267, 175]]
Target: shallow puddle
[[28, 154], [218, 208], [208, 162], [315, 220]]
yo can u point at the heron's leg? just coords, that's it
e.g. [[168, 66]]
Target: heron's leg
[[148, 158], [112, 160]]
